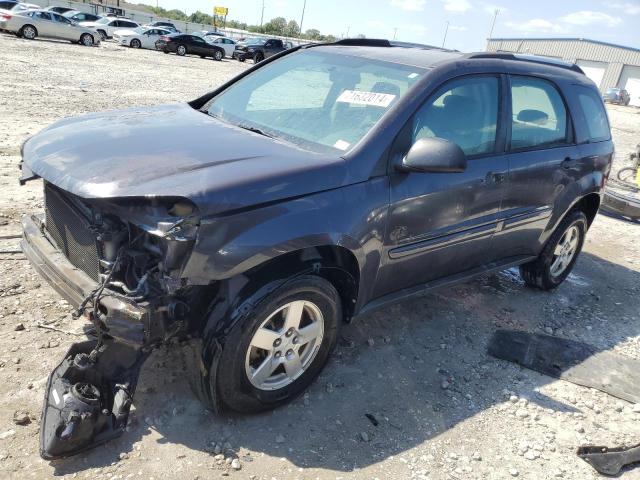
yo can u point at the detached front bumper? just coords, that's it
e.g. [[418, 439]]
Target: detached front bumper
[[123, 318]]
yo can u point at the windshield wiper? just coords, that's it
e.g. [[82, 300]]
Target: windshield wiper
[[253, 129]]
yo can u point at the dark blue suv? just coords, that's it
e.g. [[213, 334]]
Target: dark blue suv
[[322, 183]]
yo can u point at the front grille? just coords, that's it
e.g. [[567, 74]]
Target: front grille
[[71, 231]]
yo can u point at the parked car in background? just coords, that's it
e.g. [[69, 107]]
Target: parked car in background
[[617, 95], [76, 16], [107, 25], [11, 6], [227, 44], [60, 10], [260, 49], [183, 44], [209, 33], [140, 37], [45, 23], [164, 25], [256, 220]]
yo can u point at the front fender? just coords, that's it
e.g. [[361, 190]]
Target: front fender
[[352, 217]]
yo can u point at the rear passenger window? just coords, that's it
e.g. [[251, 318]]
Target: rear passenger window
[[465, 112], [539, 115], [595, 115]]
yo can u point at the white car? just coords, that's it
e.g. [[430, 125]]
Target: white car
[[226, 43], [107, 26], [11, 6], [140, 37]]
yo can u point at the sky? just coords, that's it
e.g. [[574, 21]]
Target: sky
[[425, 21]]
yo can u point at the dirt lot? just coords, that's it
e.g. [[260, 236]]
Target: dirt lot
[[445, 409]]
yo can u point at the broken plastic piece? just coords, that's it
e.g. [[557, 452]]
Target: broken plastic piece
[[609, 461], [88, 397]]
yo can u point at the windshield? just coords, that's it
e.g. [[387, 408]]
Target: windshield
[[613, 90], [321, 101]]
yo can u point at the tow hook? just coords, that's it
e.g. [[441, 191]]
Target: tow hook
[[88, 397]]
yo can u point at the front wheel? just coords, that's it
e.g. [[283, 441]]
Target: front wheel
[[559, 255], [86, 40], [135, 43], [258, 58], [277, 349], [103, 35], [181, 50]]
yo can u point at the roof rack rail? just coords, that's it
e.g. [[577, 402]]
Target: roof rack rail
[[363, 42], [527, 58]]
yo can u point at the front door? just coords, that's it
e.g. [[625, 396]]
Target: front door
[[441, 224]]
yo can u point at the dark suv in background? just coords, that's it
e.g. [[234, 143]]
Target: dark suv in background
[[258, 49], [322, 183]]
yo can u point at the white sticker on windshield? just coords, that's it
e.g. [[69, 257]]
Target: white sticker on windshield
[[341, 145], [366, 98], [413, 75]]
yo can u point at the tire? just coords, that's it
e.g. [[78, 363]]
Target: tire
[[103, 35], [540, 272], [165, 51], [29, 32], [135, 43], [86, 39], [241, 59], [181, 50], [627, 174], [218, 55], [258, 58], [626, 102], [233, 388]]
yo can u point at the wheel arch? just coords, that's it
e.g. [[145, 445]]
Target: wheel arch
[[589, 204]]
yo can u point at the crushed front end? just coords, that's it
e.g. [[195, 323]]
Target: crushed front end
[[119, 263]]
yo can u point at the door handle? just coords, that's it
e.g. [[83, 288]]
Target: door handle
[[569, 163], [493, 177]]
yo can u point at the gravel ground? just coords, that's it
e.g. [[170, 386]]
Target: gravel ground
[[444, 409]]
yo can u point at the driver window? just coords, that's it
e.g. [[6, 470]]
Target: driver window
[[463, 111]]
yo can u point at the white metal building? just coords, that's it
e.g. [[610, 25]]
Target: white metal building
[[608, 65]]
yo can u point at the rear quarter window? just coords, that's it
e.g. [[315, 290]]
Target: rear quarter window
[[595, 115]]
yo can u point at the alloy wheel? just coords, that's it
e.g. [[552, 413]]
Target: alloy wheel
[[565, 251], [87, 40], [29, 32], [285, 345]]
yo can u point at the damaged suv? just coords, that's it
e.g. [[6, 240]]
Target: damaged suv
[[320, 184]]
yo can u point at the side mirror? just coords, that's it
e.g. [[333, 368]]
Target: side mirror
[[435, 155]]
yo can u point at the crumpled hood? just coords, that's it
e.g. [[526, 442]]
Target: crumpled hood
[[174, 150]]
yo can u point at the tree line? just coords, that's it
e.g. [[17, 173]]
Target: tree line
[[275, 26]]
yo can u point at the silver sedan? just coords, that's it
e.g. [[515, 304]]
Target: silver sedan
[[43, 23]]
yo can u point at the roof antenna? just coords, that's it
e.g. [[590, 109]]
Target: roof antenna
[[493, 24]]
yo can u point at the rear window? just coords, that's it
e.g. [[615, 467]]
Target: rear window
[[595, 115], [7, 5]]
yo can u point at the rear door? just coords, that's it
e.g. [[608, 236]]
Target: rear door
[[442, 224], [543, 160], [271, 47]]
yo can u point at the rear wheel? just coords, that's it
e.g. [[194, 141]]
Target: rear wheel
[[181, 50], [258, 58], [86, 39], [29, 32], [135, 43], [241, 59], [278, 348], [559, 255], [218, 55]]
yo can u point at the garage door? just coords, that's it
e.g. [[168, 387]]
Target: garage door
[[630, 80], [593, 70]]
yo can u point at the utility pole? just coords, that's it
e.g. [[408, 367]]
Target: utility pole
[[395, 32], [493, 24], [445, 34], [304, 6], [262, 15], [348, 28]]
